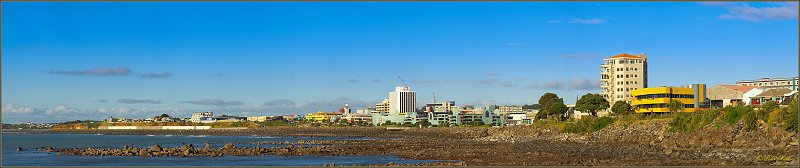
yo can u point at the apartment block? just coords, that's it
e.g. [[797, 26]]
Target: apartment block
[[621, 74]]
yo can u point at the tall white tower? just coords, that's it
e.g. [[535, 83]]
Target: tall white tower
[[621, 74], [402, 100]]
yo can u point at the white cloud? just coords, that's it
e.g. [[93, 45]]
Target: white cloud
[[549, 85], [18, 109], [743, 11], [580, 83], [587, 21], [13, 113]]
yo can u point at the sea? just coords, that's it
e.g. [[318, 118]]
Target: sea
[[32, 157]]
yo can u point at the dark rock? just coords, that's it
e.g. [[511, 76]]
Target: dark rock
[[19, 149]]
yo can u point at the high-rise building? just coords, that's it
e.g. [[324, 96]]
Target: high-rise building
[[621, 74], [402, 100], [401, 107]]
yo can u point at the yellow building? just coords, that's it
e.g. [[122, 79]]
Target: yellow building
[[320, 116], [655, 100]]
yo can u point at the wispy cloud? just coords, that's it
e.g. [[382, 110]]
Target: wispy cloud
[[508, 84], [552, 84], [587, 21], [580, 83], [427, 81], [137, 101], [513, 44], [352, 81], [487, 81], [157, 75], [554, 21], [215, 75], [213, 102], [101, 71], [375, 81], [287, 106], [581, 56], [743, 11], [101, 101], [280, 102]]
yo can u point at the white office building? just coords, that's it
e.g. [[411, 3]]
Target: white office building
[[198, 116], [402, 100]]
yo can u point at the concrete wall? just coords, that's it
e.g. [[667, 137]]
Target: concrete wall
[[186, 127], [721, 93], [119, 127]]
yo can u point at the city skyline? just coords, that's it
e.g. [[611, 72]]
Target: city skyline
[[63, 61]]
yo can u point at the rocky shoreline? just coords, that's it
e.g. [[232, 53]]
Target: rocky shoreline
[[643, 143]]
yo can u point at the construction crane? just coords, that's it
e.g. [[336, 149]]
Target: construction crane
[[401, 80]]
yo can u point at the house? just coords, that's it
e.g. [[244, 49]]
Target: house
[[777, 95]]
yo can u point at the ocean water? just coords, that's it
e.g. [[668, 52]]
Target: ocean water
[[31, 157]]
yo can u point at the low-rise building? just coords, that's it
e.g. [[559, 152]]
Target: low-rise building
[[777, 95], [772, 83], [571, 112], [656, 100], [321, 116], [357, 117], [258, 118], [196, 117], [727, 95]]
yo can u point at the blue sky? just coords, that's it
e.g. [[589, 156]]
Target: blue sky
[[65, 61]]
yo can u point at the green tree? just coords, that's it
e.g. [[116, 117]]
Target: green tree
[[622, 107], [591, 103], [163, 116], [675, 106], [550, 104], [547, 97]]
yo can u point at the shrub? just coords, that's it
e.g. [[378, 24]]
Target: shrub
[[687, 122], [750, 121], [681, 122], [788, 117], [588, 124], [709, 116], [601, 123], [733, 114]]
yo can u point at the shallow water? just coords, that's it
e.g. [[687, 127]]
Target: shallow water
[[31, 157]]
